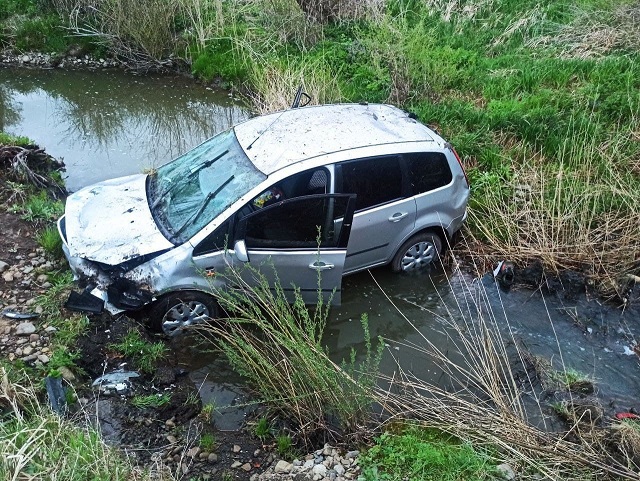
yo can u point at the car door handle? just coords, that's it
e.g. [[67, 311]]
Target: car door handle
[[321, 266], [398, 216]]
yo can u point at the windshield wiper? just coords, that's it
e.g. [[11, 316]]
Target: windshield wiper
[[203, 206], [191, 173]]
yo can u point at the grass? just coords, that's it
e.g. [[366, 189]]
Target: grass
[[284, 446], [151, 401], [39, 208], [144, 354], [419, 453], [50, 240], [262, 429], [277, 347], [207, 442]]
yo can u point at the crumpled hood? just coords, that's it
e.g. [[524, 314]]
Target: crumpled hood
[[110, 222]]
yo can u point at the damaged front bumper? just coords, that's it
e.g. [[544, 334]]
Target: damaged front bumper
[[104, 288]]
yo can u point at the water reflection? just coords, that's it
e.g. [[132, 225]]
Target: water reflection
[[108, 123]]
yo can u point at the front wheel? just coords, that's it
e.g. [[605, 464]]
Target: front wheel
[[417, 253], [179, 310]]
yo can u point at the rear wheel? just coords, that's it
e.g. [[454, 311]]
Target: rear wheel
[[417, 253], [179, 310]]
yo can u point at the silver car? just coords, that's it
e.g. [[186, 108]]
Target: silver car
[[332, 188]]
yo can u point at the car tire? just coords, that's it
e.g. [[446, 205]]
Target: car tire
[[417, 253], [174, 312]]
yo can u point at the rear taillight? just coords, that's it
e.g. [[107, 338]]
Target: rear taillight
[[461, 166]]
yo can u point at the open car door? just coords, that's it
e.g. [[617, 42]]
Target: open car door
[[300, 242]]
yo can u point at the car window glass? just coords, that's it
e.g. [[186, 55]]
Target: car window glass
[[374, 180], [216, 241], [296, 223], [427, 171]]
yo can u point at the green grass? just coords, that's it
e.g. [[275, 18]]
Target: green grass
[[424, 454], [284, 446], [262, 429], [207, 442], [151, 400], [8, 139], [144, 354], [53, 299], [50, 240], [40, 208]]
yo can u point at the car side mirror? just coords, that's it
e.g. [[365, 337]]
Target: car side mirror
[[240, 249]]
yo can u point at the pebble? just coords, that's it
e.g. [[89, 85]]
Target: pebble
[[506, 471], [34, 337], [25, 328], [236, 448], [193, 452], [236, 464], [246, 467], [172, 439], [3, 266], [66, 374], [212, 458], [283, 467], [43, 358]]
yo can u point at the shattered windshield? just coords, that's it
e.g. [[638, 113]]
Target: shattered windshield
[[189, 192]]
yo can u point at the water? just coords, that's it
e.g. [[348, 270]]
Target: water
[[108, 124]]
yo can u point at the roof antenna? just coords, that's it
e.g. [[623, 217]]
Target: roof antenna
[[299, 94]]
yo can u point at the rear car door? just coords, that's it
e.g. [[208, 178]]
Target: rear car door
[[385, 214], [300, 243]]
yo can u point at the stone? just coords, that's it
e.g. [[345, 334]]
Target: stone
[[43, 358], [352, 454], [66, 374], [193, 452], [308, 464], [27, 351], [204, 455], [319, 470], [246, 467], [339, 469], [170, 423], [236, 448], [506, 471], [212, 458], [3, 266], [50, 328], [34, 337], [172, 439], [25, 329], [283, 467], [25, 59], [236, 464], [8, 276]]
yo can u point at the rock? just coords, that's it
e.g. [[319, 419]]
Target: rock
[[339, 469], [170, 423], [236, 464], [27, 270], [193, 452], [43, 358], [49, 328], [25, 329], [18, 351], [27, 351], [66, 374], [25, 59], [352, 454], [319, 470], [8, 276], [283, 467], [34, 338], [246, 467], [213, 458], [42, 278], [3, 266], [172, 439], [308, 464], [203, 455], [506, 471], [236, 448]]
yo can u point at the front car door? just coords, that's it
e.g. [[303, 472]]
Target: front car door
[[300, 243]]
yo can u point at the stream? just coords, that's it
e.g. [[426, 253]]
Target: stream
[[108, 124]]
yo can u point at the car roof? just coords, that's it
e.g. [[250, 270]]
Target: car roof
[[277, 140]]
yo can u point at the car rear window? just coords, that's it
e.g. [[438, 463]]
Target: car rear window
[[427, 171], [375, 180]]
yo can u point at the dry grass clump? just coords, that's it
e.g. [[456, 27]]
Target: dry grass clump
[[580, 211], [596, 33], [488, 395]]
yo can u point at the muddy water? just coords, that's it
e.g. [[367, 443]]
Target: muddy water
[[109, 124]]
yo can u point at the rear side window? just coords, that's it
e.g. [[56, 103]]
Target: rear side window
[[427, 171], [375, 181]]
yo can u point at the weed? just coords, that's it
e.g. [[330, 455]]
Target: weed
[[227, 476], [207, 411], [192, 398], [284, 446], [424, 454], [51, 301], [151, 400], [277, 346], [207, 442], [144, 354], [50, 240], [262, 429], [40, 208]]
